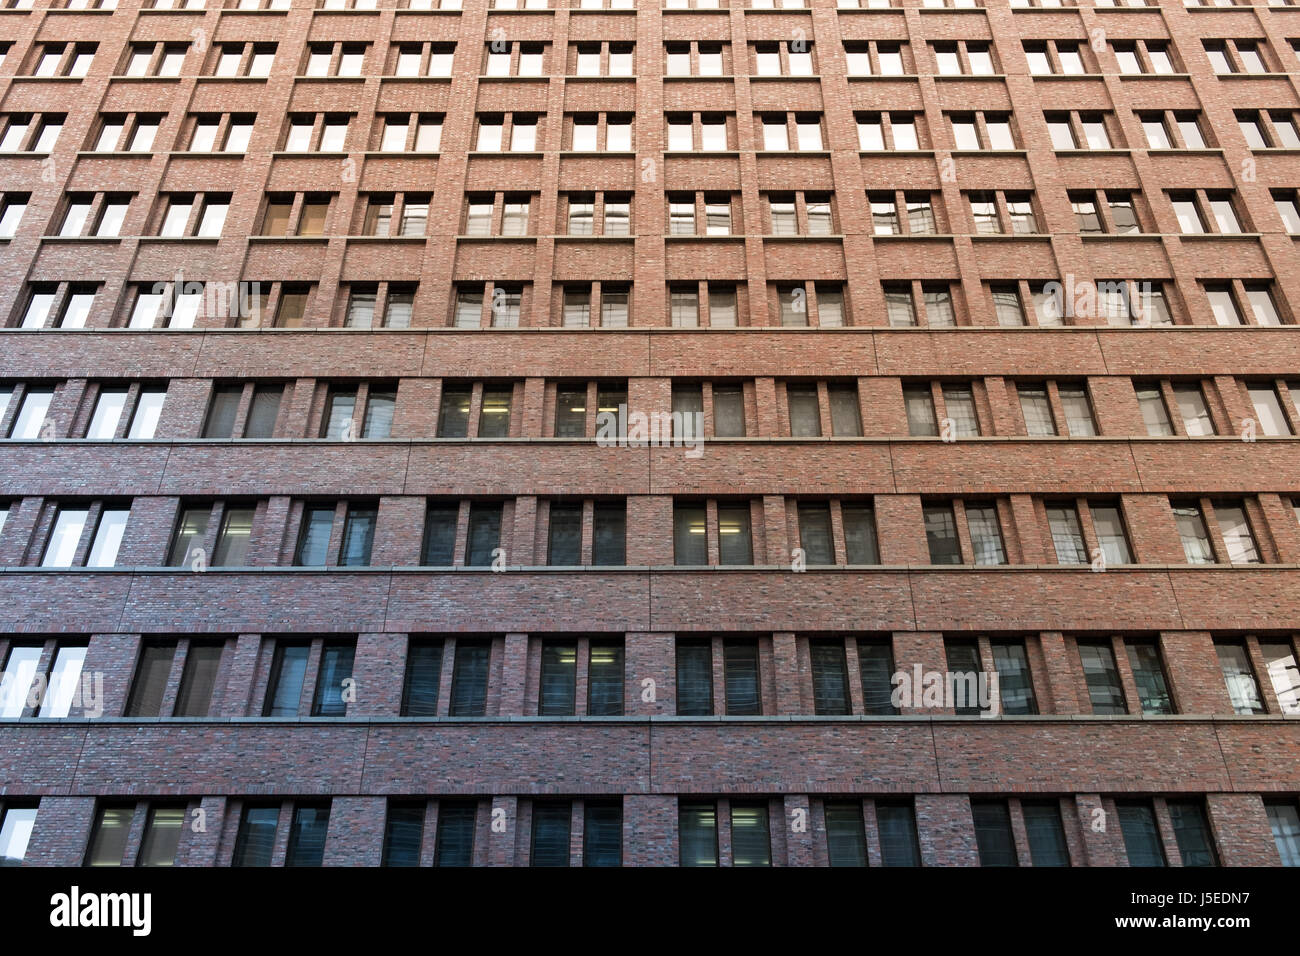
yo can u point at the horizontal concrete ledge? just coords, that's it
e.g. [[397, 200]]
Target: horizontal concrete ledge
[[690, 569]]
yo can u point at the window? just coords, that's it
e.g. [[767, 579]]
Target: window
[[985, 534], [1283, 673], [1239, 676], [1141, 834], [108, 838], [1192, 833], [550, 836], [1108, 522], [70, 522], [697, 834], [876, 670], [941, 534], [1067, 535], [1149, 674], [16, 825], [605, 679], [751, 841], [334, 679], [255, 840], [1105, 691], [307, 831], [830, 677], [694, 678], [1037, 410], [20, 671], [993, 837], [1045, 833], [469, 679], [1268, 409], [484, 535], [900, 844], [1283, 819], [454, 845], [1193, 410], [284, 686], [1192, 531], [403, 833], [423, 674], [162, 836], [556, 695]]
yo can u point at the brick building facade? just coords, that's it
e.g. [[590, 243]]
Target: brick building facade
[[314, 540]]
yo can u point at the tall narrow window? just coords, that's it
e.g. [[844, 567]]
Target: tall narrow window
[[1105, 691], [751, 839], [1137, 821], [313, 536], [605, 679], [403, 833], [484, 536], [162, 836], [900, 844], [697, 834], [997, 846], [455, 842], [558, 681], [198, 679], [469, 679], [1067, 535], [860, 543], [941, 534], [741, 678], [550, 843], [1015, 686], [830, 678], [307, 835], [1283, 820], [108, 841], [151, 675], [1045, 833], [334, 679], [16, 826], [876, 669], [609, 534], [735, 543], [423, 674], [565, 534], [694, 678], [288, 670], [846, 836], [439, 547], [1283, 673], [1149, 673], [1239, 676], [255, 841], [602, 833], [1192, 833], [815, 532]]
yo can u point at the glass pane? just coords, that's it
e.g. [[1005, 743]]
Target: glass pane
[[899, 844], [605, 680], [741, 674], [108, 842], [256, 840], [557, 683], [331, 689], [151, 680], [602, 834], [997, 846], [469, 679], [1149, 674], [455, 843], [697, 830], [846, 838], [288, 668], [1239, 678], [694, 679], [162, 836], [1105, 691], [550, 845], [423, 674], [198, 679], [751, 842], [403, 833], [307, 836], [830, 678]]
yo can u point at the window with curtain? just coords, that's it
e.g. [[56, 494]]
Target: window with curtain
[[1239, 676], [284, 686]]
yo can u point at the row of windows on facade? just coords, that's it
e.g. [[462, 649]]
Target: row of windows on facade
[[457, 5], [609, 214], [719, 676], [935, 304], [491, 409], [502, 58], [445, 831], [472, 533], [711, 131]]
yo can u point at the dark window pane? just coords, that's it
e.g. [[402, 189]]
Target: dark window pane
[[162, 836], [876, 666], [694, 678], [964, 671], [602, 833], [358, 536], [108, 842], [439, 548], [1149, 675], [1047, 846], [256, 839], [558, 679], [551, 834], [941, 535], [221, 413], [815, 532], [469, 679], [151, 680], [1192, 831], [688, 411], [728, 411], [830, 678], [751, 841], [564, 546], [191, 532], [609, 534], [263, 411], [423, 673], [314, 537], [690, 538], [1105, 690], [860, 544], [993, 833], [899, 844], [740, 661], [453, 413], [571, 411], [198, 679], [307, 836], [284, 689], [403, 831], [735, 545], [455, 843], [605, 679], [846, 837], [335, 668], [697, 834], [1015, 688], [484, 533], [494, 415], [1137, 821]]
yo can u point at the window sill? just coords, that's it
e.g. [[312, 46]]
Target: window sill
[[231, 79], [380, 154], [112, 154], [404, 240], [484, 78], [101, 240], [46, 79]]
